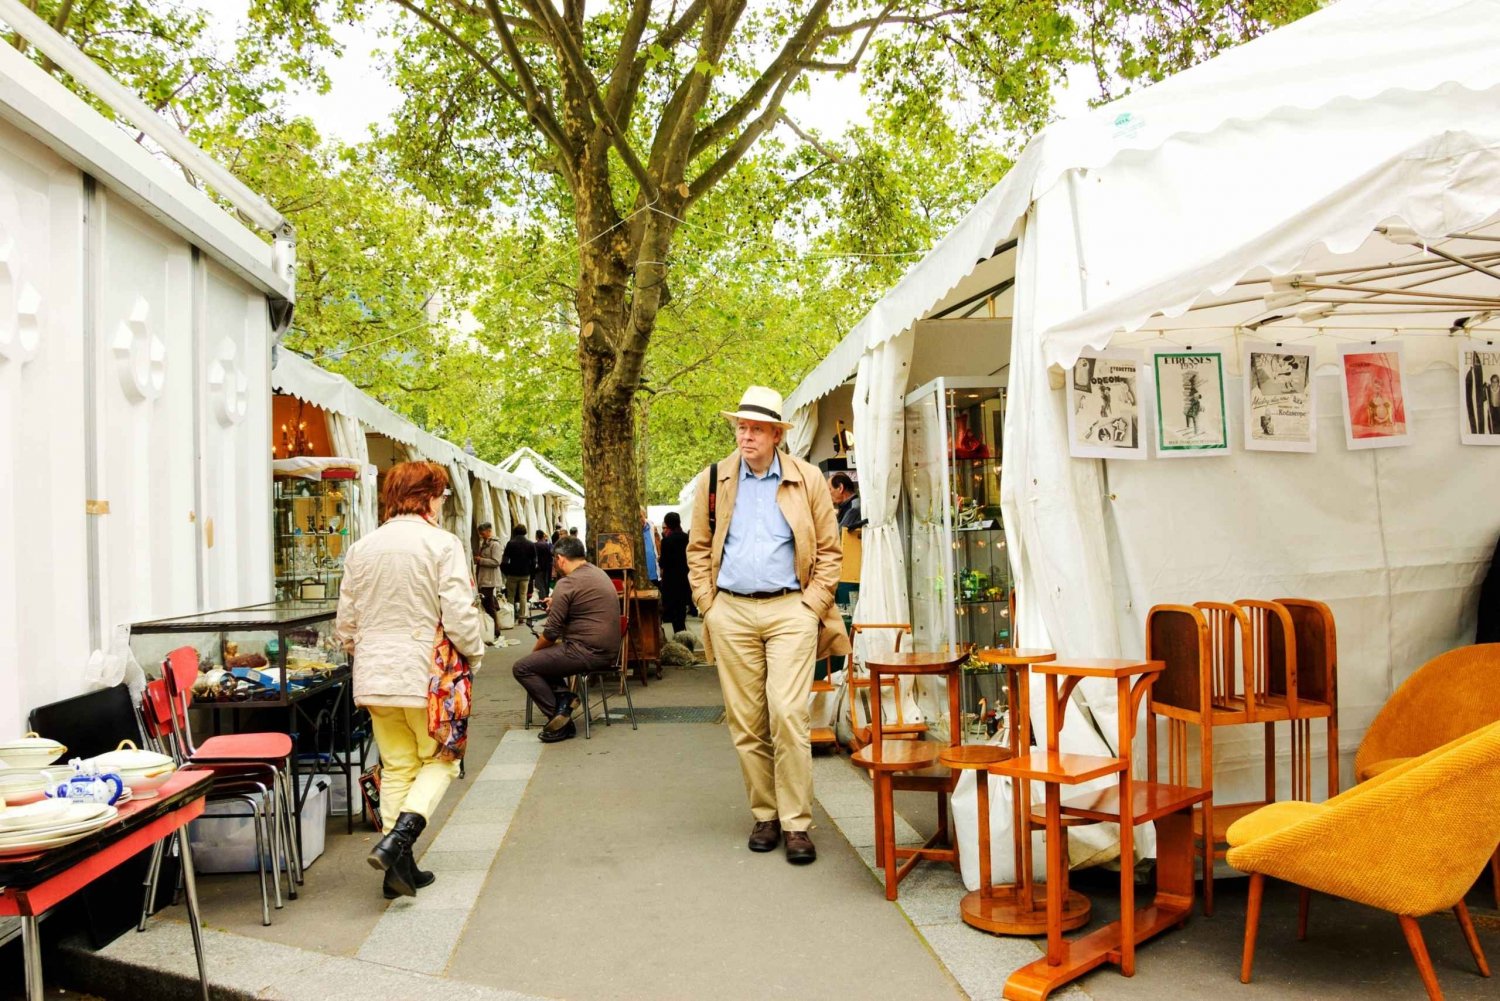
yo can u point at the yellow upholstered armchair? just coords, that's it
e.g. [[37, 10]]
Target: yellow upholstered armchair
[[1451, 695], [1411, 840]]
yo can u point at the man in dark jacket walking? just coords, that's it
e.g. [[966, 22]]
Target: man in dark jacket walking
[[518, 563], [541, 580]]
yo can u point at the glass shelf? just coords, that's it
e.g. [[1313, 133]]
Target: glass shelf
[[314, 528], [958, 548]]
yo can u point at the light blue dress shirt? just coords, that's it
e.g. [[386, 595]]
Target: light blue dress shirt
[[759, 551]]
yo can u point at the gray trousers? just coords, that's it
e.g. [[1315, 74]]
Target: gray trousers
[[544, 673]]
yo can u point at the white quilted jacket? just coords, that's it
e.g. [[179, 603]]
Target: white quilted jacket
[[396, 582]]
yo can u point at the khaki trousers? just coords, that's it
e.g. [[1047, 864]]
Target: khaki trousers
[[765, 650], [412, 777]]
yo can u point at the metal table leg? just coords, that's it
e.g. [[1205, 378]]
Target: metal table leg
[[31, 949], [190, 882]]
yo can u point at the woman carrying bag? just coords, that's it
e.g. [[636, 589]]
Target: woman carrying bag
[[407, 613]]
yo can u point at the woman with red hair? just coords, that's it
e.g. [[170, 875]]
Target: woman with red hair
[[400, 582]]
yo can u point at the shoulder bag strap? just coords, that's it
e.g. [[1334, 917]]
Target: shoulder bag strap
[[713, 500]]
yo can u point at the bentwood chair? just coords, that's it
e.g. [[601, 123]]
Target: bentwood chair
[[857, 683], [1411, 840]]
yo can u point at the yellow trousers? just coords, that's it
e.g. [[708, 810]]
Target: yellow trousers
[[412, 777]]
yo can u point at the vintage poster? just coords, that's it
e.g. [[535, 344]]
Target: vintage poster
[[1106, 414], [1374, 394], [1190, 403], [1479, 393], [1280, 408]]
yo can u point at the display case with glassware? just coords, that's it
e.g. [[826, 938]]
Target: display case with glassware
[[960, 580], [313, 502]]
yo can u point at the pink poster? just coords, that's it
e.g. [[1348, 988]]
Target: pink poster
[[1374, 395]]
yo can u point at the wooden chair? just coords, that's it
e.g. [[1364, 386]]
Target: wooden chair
[[1200, 687], [1410, 840], [1316, 696], [911, 765], [857, 680]]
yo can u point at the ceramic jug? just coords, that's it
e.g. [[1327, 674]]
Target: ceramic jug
[[88, 786]]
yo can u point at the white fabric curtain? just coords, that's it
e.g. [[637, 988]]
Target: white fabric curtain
[[799, 439], [1053, 509], [348, 438], [880, 423], [461, 522], [500, 508]]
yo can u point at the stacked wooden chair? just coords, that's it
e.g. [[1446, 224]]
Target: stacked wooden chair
[[1235, 665]]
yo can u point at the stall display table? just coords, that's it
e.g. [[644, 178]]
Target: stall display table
[[1015, 908], [34, 884], [1128, 803], [645, 633]]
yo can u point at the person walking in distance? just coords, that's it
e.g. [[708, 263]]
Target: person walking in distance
[[541, 580], [402, 582], [763, 561], [487, 559], [675, 593], [518, 563]]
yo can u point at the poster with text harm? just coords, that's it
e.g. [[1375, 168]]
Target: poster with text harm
[[1373, 389], [1190, 419], [1280, 406], [1479, 393], [1106, 405]]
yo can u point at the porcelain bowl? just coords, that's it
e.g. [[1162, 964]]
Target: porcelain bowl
[[19, 786], [31, 751]]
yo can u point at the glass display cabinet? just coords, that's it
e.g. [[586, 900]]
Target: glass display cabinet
[[279, 655], [313, 503], [960, 578]]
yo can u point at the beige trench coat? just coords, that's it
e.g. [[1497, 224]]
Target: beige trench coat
[[397, 581], [808, 508]]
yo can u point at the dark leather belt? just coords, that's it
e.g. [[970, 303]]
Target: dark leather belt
[[762, 595]]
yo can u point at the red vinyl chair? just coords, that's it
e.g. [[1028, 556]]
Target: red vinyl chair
[[266, 749], [245, 782]]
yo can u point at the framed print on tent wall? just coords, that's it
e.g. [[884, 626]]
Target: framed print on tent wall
[[1479, 391], [1280, 407], [1106, 410], [1190, 419], [1373, 388]]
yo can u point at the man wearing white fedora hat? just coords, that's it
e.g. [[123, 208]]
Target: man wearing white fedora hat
[[763, 561]]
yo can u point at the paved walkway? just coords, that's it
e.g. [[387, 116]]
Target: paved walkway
[[616, 868]]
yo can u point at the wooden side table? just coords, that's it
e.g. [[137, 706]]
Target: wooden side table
[[886, 758], [1013, 909], [1129, 803]]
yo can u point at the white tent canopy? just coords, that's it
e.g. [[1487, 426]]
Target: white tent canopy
[[1343, 150], [564, 504]]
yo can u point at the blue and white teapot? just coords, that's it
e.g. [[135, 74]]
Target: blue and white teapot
[[89, 785]]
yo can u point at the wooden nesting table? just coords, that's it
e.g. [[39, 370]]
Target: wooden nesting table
[[1127, 803]]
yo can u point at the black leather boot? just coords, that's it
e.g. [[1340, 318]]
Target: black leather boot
[[393, 853], [421, 879]]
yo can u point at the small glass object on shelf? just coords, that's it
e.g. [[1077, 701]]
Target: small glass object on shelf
[[960, 583], [314, 499]]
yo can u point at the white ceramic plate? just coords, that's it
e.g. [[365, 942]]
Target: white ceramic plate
[[7, 851], [17, 818], [74, 824]]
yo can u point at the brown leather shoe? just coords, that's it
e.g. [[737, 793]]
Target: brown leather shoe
[[799, 848], [765, 836]]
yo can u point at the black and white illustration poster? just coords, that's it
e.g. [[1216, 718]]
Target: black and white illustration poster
[[1190, 403], [1106, 406], [1280, 409], [1479, 393]]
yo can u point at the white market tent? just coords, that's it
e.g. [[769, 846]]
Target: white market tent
[[561, 495], [1345, 150], [353, 415], [136, 316]]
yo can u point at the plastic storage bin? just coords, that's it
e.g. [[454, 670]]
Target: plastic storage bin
[[223, 839]]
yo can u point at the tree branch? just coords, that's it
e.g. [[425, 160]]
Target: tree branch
[[539, 113], [741, 145], [784, 64], [812, 141], [848, 65], [626, 57], [575, 63]]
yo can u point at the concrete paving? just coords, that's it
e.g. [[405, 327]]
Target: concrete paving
[[616, 868]]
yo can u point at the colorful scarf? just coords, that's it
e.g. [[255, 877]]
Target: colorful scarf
[[450, 689]]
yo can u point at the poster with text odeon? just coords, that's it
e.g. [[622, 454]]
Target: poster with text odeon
[[1106, 412]]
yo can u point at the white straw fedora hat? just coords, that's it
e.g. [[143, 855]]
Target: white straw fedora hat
[[759, 404]]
